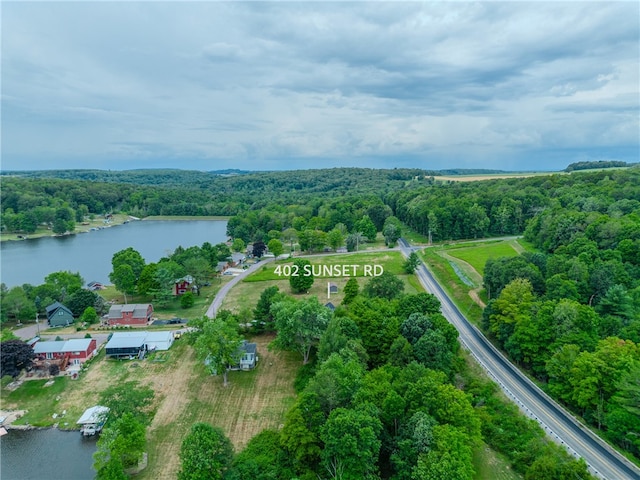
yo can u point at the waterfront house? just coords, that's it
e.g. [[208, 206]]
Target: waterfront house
[[131, 314], [137, 343], [79, 350], [62, 353], [58, 315]]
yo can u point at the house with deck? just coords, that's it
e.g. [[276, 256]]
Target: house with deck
[[131, 314], [58, 315], [63, 353]]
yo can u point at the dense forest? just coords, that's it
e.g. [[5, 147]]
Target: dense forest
[[386, 395], [569, 313]]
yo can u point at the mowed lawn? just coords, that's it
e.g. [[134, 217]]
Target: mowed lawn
[[477, 254]]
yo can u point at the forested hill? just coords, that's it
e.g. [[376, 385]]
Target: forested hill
[[239, 180]]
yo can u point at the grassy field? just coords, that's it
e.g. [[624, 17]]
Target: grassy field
[[245, 295], [477, 254], [184, 394], [390, 261]]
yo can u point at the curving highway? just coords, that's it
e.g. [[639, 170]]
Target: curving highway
[[603, 461]]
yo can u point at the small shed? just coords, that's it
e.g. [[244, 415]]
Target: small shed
[[58, 315], [93, 419], [160, 340]]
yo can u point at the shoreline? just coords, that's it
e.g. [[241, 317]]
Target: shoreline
[[122, 219]]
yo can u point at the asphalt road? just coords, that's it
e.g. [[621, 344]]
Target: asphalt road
[[561, 426], [217, 301]]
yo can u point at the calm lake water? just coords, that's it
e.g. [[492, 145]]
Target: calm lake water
[[29, 261], [46, 454]]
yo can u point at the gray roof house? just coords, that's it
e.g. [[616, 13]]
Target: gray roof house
[[249, 356], [58, 315]]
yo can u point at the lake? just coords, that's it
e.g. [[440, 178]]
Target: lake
[[46, 454], [29, 261]]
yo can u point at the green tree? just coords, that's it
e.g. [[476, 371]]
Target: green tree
[[187, 300], [290, 236], [89, 315], [112, 470], [367, 227], [386, 285], [275, 247], [122, 440], [128, 397], [124, 280], [218, 346], [301, 278], [354, 241], [262, 316], [411, 263], [17, 305], [392, 231], [300, 324], [65, 281], [238, 245], [80, 300], [351, 444], [147, 282], [351, 290], [129, 256], [206, 453], [451, 456], [335, 238]]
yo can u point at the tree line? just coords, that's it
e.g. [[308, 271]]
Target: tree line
[[383, 392]]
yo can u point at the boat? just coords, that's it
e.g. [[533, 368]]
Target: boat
[[93, 419]]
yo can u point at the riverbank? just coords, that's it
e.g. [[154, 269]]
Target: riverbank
[[186, 217], [97, 223]]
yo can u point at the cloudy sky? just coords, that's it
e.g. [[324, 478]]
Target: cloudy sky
[[286, 85]]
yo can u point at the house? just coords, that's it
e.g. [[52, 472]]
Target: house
[[184, 285], [330, 306], [332, 288], [221, 267], [95, 286], [133, 314], [121, 345], [237, 259], [79, 350], [58, 315], [49, 350], [75, 351], [93, 419], [249, 355]]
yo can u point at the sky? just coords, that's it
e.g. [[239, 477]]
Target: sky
[[294, 85]]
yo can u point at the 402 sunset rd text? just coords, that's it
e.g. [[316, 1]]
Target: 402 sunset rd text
[[329, 270]]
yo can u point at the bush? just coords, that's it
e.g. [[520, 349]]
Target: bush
[[187, 300]]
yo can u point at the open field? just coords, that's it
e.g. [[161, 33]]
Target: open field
[[390, 261], [184, 394], [477, 254], [493, 176]]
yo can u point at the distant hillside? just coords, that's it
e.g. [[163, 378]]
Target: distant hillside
[[596, 164]]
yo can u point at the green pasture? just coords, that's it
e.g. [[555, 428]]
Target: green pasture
[[390, 261], [477, 254]]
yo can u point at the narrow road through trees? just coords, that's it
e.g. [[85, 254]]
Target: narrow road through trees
[[560, 425]]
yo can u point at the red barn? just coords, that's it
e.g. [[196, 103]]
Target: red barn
[[133, 314]]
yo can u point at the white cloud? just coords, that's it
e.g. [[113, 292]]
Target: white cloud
[[275, 83]]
